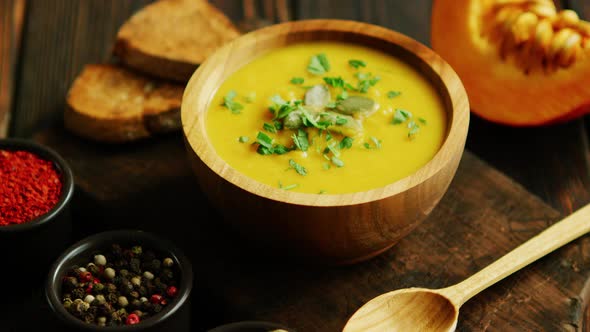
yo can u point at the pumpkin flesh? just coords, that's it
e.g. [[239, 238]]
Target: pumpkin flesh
[[521, 65]]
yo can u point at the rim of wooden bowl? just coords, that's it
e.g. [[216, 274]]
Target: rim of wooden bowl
[[210, 75]]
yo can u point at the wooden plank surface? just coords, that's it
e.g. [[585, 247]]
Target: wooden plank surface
[[61, 36], [149, 185], [11, 23]]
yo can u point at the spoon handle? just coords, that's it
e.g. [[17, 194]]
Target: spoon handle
[[557, 235]]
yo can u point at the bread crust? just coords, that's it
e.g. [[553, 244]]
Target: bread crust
[[170, 38], [108, 103]]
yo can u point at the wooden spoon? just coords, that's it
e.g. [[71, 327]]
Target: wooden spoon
[[421, 309]]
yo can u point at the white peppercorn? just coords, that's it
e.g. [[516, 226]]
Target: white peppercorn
[[109, 273], [136, 281], [148, 275], [122, 300], [100, 260], [168, 262], [89, 298]]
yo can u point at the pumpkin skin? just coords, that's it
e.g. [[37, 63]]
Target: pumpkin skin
[[511, 89]]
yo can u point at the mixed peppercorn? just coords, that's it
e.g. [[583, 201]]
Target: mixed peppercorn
[[123, 286]]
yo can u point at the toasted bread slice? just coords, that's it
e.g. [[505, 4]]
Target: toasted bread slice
[[108, 103], [169, 38]]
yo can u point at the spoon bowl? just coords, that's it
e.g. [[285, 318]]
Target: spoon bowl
[[437, 310], [411, 309]]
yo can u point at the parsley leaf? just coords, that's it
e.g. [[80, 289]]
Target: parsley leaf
[[243, 139], [298, 168], [393, 94], [357, 63], [366, 81], [336, 82], [422, 120], [289, 187], [318, 64], [264, 140], [413, 131], [400, 116], [297, 80], [341, 121], [280, 149], [270, 128], [346, 143], [367, 146], [300, 139], [281, 108], [229, 103]]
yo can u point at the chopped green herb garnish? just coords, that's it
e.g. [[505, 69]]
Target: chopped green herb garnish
[[264, 140], [280, 149], [309, 121], [366, 81], [229, 103], [326, 166], [422, 120], [266, 146], [367, 146], [243, 139], [322, 192], [337, 162], [300, 139], [278, 124], [332, 148], [413, 131], [393, 94], [401, 116], [297, 80], [298, 168], [318, 64], [411, 124], [357, 63], [270, 128], [281, 108], [377, 142], [289, 187], [336, 82], [346, 143], [341, 121]]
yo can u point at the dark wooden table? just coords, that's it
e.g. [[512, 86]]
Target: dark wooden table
[[45, 43]]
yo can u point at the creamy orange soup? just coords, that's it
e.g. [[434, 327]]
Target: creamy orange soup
[[326, 118]]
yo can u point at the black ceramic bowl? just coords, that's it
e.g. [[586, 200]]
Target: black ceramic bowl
[[31, 247], [250, 326], [175, 316]]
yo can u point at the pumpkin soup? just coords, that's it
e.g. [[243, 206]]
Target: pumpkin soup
[[326, 118]]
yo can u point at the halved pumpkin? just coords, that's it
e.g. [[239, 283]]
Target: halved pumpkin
[[522, 62]]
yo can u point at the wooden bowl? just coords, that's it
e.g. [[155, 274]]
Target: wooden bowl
[[340, 229]]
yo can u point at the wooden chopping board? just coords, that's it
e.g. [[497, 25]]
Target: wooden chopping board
[[149, 185]]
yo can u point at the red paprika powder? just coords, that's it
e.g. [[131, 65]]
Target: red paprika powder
[[29, 186]]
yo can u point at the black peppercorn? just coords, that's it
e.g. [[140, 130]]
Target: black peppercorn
[[135, 265], [78, 293]]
